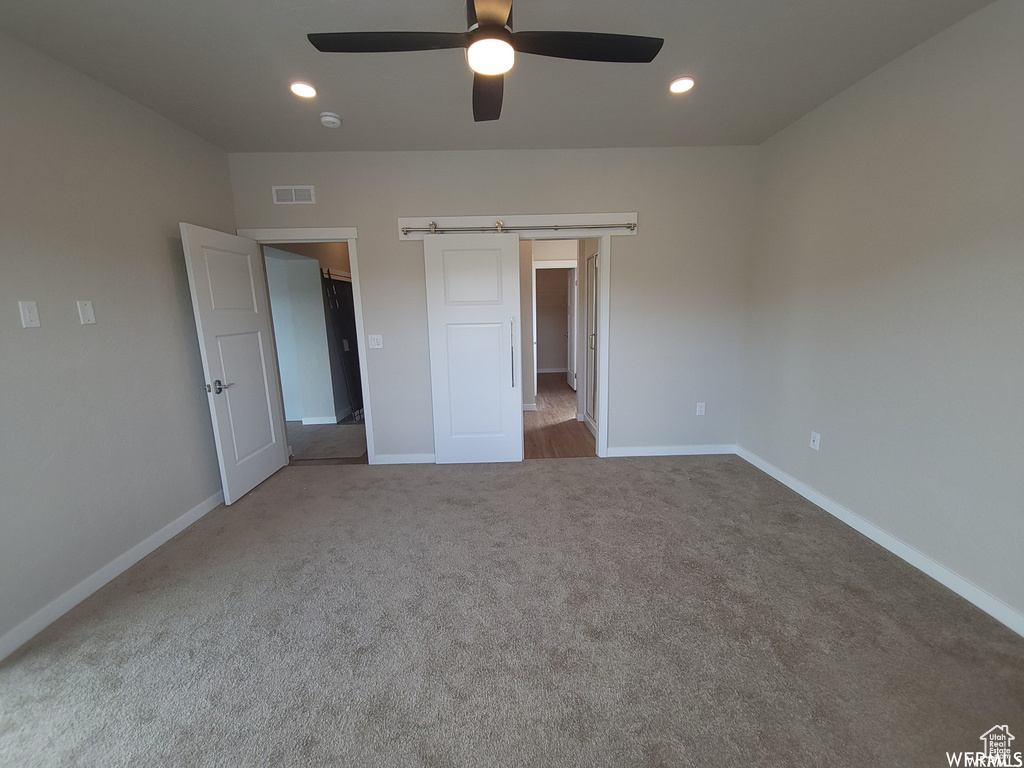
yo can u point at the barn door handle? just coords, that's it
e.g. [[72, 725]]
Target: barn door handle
[[512, 347]]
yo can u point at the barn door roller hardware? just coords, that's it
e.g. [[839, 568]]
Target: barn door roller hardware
[[433, 229]]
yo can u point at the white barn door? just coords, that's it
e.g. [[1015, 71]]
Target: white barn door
[[473, 324], [229, 299]]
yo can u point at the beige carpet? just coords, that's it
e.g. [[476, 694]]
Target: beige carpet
[[570, 612], [326, 441]]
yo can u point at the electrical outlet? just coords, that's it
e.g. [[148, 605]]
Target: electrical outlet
[[701, 409], [29, 314], [376, 341], [815, 441]]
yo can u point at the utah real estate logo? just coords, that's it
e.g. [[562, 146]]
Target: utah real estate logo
[[996, 751]]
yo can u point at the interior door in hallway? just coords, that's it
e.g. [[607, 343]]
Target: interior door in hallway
[[229, 299], [473, 317], [593, 297], [571, 335]]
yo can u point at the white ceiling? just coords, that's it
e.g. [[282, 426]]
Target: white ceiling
[[221, 68]]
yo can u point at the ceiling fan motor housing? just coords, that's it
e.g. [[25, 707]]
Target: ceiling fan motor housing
[[472, 21], [490, 33]]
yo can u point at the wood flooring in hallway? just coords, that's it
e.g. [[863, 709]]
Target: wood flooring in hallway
[[552, 432]]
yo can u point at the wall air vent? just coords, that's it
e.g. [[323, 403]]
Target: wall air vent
[[293, 195]]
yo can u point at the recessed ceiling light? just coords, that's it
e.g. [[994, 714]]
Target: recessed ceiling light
[[681, 85], [305, 90]]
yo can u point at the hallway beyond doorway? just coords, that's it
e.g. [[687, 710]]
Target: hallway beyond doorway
[[343, 443], [552, 431]]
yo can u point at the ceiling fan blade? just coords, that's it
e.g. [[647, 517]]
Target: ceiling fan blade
[[588, 46], [487, 93], [490, 12], [381, 42]]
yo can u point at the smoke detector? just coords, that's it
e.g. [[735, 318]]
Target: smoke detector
[[330, 120]]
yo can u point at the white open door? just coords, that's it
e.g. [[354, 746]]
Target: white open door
[[593, 301], [229, 298], [571, 335], [473, 324]]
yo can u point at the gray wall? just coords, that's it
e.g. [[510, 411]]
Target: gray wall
[[284, 335], [676, 287], [887, 301], [300, 334], [106, 432]]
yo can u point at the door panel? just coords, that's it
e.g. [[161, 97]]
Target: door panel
[[473, 323], [474, 374], [472, 277], [229, 299], [571, 335], [231, 281], [252, 426]]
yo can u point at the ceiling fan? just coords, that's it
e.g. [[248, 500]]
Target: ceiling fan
[[491, 48]]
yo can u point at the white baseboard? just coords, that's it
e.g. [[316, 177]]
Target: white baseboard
[[403, 458], [672, 450], [320, 420], [49, 613], [991, 605], [529, 406], [552, 370]]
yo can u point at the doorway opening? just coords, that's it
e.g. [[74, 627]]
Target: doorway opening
[[559, 405], [314, 325], [528, 229]]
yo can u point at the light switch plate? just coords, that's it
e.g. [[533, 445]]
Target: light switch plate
[[29, 314], [376, 341], [85, 313], [815, 441], [701, 409]]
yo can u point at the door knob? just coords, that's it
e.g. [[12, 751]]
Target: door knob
[[218, 387]]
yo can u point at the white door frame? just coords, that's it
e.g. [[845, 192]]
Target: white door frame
[[332, 235], [522, 224]]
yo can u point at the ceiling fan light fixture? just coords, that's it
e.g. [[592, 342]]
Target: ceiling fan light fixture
[[491, 47], [681, 85], [305, 90], [491, 56]]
